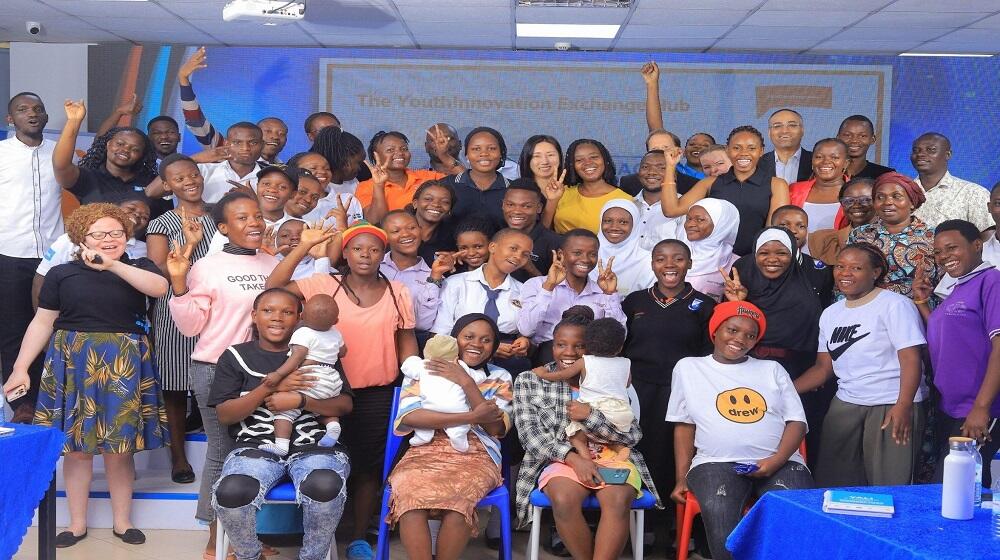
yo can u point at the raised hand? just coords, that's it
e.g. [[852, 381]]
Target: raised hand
[[379, 174], [922, 288], [439, 144], [316, 234], [130, 107], [197, 61], [734, 289], [192, 229], [444, 262], [650, 73], [268, 245], [179, 260], [607, 280], [75, 110], [212, 155], [555, 188], [673, 156], [242, 187], [557, 272], [339, 212]]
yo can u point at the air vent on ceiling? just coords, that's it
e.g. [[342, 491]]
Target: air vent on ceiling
[[575, 3]]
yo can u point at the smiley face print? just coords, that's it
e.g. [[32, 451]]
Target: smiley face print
[[741, 405]]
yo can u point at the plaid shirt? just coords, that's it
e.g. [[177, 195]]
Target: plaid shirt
[[541, 420]]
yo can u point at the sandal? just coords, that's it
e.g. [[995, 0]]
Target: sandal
[[185, 476]]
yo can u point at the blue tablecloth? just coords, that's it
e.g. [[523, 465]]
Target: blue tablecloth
[[791, 524], [27, 464]]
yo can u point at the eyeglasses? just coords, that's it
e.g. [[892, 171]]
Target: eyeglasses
[[852, 200], [113, 234]]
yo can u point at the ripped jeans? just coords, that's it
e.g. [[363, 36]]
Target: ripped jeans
[[723, 494], [249, 473]]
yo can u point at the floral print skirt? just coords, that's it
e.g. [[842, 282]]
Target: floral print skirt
[[102, 390], [436, 477]]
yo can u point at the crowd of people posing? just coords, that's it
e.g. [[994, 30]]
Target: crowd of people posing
[[671, 332]]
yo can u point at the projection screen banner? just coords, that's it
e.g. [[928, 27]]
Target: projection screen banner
[[599, 100]]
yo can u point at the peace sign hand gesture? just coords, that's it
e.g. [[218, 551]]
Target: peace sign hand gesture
[[607, 280], [734, 290], [379, 174], [557, 273], [192, 229], [339, 213], [555, 188], [179, 261], [922, 288], [444, 262], [439, 145]]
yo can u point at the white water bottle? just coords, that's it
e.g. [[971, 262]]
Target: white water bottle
[[959, 480]]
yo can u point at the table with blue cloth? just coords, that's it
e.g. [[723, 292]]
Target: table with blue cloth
[[791, 524], [28, 459]]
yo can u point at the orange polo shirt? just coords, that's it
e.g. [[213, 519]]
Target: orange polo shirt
[[396, 196]]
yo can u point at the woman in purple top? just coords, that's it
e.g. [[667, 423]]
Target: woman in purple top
[[963, 335]]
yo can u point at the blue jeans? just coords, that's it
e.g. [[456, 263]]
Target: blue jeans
[[320, 491], [723, 494]]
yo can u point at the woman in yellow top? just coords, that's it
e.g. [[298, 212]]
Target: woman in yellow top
[[592, 172], [393, 183]]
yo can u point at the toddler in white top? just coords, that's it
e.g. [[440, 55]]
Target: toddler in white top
[[314, 349], [439, 394], [604, 379]]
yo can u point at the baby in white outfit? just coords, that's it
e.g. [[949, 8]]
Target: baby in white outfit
[[604, 379], [439, 394]]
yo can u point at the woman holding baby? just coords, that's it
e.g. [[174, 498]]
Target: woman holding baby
[[435, 479]]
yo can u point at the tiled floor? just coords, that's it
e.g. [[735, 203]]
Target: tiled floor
[[100, 544]]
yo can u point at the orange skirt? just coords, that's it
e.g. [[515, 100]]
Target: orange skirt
[[437, 478]]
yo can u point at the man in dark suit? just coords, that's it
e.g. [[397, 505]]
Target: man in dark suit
[[788, 160]]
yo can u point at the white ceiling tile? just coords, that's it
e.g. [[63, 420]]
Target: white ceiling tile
[[771, 38], [454, 3], [487, 14], [571, 15], [709, 4], [992, 22], [391, 27], [657, 33], [847, 5], [663, 45], [480, 30], [950, 6], [27, 9], [748, 43], [884, 20], [365, 41], [649, 16], [876, 47], [446, 41], [969, 34], [111, 9], [811, 19], [200, 10], [890, 34]]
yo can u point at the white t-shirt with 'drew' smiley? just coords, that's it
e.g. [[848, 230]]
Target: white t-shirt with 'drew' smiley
[[739, 410]]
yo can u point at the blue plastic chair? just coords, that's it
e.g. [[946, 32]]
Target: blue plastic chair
[[499, 498], [281, 493]]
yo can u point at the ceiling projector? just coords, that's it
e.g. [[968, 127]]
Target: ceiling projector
[[267, 11]]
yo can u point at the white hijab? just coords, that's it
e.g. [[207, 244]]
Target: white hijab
[[710, 254], [633, 264]]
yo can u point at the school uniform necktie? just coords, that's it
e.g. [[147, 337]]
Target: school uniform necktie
[[491, 310]]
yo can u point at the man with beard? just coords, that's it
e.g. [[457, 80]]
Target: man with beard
[[30, 221], [948, 197], [651, 169]]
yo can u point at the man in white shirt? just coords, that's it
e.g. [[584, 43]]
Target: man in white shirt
[[651, 170], [948, 197], [30, 221]]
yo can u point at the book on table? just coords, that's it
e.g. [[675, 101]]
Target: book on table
[[858, 503]]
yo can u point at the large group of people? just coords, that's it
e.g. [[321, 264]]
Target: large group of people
[[696, 325]]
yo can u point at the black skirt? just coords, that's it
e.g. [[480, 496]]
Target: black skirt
[[364, 429]]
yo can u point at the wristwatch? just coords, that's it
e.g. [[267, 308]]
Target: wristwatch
[[438, 283]]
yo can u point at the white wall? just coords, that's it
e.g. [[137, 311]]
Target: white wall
[[55, 72]]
